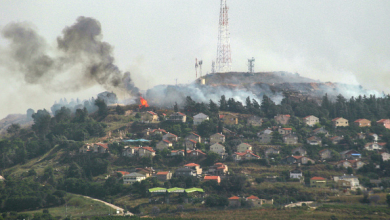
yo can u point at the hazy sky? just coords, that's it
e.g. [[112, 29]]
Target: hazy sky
[[158, 41]]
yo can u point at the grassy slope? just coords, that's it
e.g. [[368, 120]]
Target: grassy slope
[[78, 206]]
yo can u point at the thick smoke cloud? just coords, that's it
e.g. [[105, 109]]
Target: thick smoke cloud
[[167, 95], [81, 57]]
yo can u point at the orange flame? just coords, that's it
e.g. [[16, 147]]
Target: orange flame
[[144, 103]]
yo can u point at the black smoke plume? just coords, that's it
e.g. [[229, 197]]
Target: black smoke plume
[[80, 57]]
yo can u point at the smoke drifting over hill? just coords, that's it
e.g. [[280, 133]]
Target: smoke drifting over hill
[[80, 60]]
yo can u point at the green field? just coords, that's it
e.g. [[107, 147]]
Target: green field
[[77, 206]]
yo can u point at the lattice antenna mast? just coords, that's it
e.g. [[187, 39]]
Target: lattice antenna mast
[[224, 60], [251, 65]]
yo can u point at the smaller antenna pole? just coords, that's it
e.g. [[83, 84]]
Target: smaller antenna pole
[[251, 65], [200, 67], [196, 68]]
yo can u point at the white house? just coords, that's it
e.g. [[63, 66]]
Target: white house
[[296, 174], [311, 120], [133, 177], [374, 146], [385, 156], [354, 181], [199, 118]]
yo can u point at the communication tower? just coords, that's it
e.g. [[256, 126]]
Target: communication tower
[[251, 65], [224, 60]]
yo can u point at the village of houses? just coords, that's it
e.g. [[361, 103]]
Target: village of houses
[[348, 161]]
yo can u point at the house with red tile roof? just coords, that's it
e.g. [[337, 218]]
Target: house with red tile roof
[[195, 167], [340, 122], [247, 155], [234, 201], [384, 122], [282, 119], [149, 117], [164, 144], [319, 182], [284, 131], [362, 122], [243, 147], [177, 117], [122, 172], [190, 144], [212, 178], [311, 120], [194, 136], [100, 148], [314, 140], [146, 152], [296, 160], [170, 137], [196, 153], [218, 169], [164, 176]]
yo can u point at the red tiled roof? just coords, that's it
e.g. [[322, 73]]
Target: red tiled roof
[[172, 134], [195, 134], [358, 120], [102, 145], [180, 113], [211, 177], [335, 119], [191, 165], [149, 149], [234, 198], [123, 172], [162, 173], [193, 141], [152, 113], [297, 157], [252, 197], [322, 150], [221, 116], [166, 141], [307, 117], [317, 178], [382, 120], [287, 129], [199, 151], [382, 143]]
